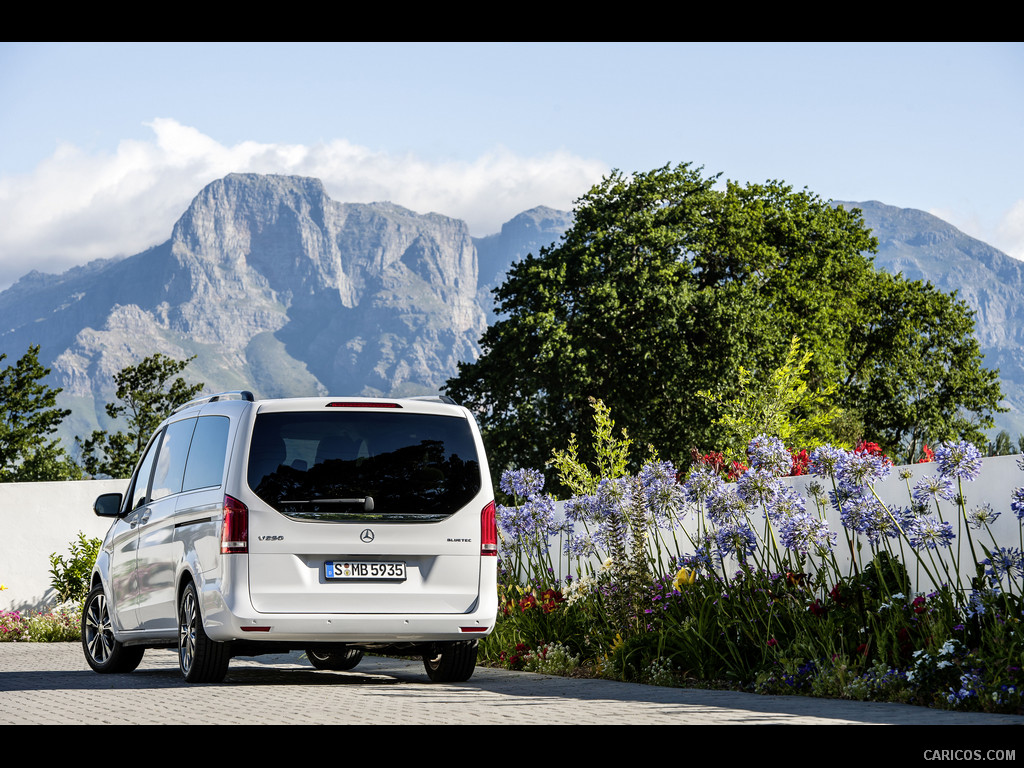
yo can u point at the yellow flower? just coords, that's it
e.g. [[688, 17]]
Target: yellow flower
[[3, 587], [684, 578]]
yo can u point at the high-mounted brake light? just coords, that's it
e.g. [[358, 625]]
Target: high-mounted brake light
[[234, 531], [488, 531], [349, 404]]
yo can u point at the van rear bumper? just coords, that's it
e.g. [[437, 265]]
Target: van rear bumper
[[228, 615]]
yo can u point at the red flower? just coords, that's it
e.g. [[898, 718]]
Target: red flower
[[929, 454], [736, 470], [714, 460], [550, 600], [817, 609], [918, 605], [873, 449], [801, 460], [527, 603]]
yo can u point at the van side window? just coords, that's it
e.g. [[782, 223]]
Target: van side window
[[140, 488], [205, 467], [170, 463]]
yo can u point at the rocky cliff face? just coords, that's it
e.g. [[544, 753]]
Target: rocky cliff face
[[276, 288], [526, 233]]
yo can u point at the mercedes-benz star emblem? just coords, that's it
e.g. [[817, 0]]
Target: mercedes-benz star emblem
[[366, 536]]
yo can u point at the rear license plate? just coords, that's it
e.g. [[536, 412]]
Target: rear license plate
[[364, 569]]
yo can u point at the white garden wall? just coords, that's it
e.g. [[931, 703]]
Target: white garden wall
[[998, 478], [36, 520]]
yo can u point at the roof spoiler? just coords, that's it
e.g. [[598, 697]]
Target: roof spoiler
[[434, 399]]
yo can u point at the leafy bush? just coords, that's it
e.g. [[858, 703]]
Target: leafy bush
[[70, 578]]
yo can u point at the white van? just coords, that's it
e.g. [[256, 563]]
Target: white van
[[335, 526]]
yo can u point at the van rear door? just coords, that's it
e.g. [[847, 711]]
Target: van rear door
[[365, 508]]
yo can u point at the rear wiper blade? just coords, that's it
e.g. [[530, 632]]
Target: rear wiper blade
[[366, 501]]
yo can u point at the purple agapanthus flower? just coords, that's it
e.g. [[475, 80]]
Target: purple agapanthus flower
[[758, 486], [929, 532], [702, 482], [960, 460], [1017, 503], [771, 455], [883, 522], [933, 487], [862, 469], [580, 508], [982, 514], [1005, 561], [786, 503], [535, 517], [825, 461], [735, 538], [804, 532], [662, 491], [522, 483], [725, 505]]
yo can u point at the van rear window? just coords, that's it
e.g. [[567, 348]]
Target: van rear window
[[358, 466]]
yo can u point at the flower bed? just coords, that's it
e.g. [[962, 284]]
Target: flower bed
[[752, 584]]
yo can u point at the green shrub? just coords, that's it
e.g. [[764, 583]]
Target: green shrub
[[70, 578]]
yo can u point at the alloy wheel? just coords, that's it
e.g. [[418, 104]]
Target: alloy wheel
[[187, 631], [99, 635]]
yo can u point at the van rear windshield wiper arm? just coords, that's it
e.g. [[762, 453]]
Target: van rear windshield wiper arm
[[366, 501]]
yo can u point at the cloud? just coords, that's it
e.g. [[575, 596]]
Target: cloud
[[75, 207], [1006, 233], [1009, 235]]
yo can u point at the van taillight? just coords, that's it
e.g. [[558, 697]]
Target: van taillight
[[234, 532], [488, 531]]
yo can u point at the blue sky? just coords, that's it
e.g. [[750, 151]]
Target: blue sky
[[102, 146]]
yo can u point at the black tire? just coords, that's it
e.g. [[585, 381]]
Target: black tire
[[104, 653], [335, 660], [451, 662], [201, 659]]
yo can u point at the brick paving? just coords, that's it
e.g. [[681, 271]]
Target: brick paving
[[50, 683]]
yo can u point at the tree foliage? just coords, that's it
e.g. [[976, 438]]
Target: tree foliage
[[665, 286], [147, 395], [781, 405], [914, 368], [29, 417], [611, 456]]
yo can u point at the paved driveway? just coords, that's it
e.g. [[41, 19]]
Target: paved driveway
[[49, 683]]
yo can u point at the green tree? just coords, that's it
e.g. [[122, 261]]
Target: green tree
[[664, 286], [147, 396], [914, 369], [29, 418]]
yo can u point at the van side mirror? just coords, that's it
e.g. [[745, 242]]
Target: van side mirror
[[107, 505]]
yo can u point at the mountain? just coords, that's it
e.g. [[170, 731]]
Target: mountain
[[924, 247], [526, 233], [276, 288]]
